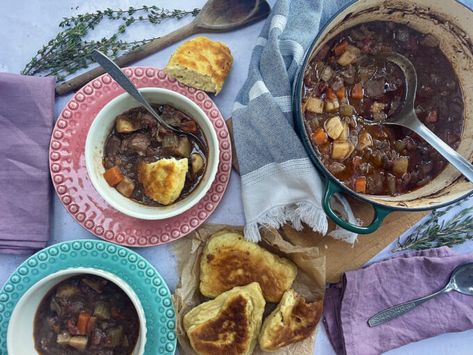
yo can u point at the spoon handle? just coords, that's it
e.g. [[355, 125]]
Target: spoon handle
[[116, 73], [400, 309], [454, 158]]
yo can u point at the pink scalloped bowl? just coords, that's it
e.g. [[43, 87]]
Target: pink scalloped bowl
[[75, 190]]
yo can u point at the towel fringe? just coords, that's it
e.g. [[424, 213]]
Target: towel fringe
[[295, 214]]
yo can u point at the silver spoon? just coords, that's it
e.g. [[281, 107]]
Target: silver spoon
[[461, 280], [116, 73], [407, 117]]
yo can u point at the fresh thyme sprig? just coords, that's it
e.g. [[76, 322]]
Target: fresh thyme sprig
[[435, 232], [69, 51]]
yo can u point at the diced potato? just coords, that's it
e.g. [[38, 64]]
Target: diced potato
[[377, 107], [78, 342], [326, 73], [197, 163], [400, 165], [102, 310], [315, 105], [350, 55], [341, 150], [126, 187], [63, 338], [364, 140], [345, 133], [115, 336], [334, 127], [67, 291], [177, 146], [184, 148], [331, 105], [124, 125]]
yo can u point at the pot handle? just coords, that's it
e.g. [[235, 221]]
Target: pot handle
[[379, 213]]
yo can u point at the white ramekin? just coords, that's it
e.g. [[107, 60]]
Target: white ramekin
[[20, 339], [103, 124]]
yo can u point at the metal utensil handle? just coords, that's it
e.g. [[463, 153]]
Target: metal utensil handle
[[453, 157], [400, 309], [120, 77]]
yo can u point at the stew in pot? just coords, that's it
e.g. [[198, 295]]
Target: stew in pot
[[348, 87]]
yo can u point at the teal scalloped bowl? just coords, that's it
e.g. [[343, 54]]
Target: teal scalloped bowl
[[134, 270]]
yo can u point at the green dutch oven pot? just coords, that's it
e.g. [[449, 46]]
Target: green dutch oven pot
[[428, 17]]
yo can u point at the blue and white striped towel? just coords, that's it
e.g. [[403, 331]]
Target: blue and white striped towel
[[279, 182]]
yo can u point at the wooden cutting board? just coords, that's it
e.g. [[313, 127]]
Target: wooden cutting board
[[341, 256]]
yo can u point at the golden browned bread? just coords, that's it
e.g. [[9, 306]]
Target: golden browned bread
[[292, 320], [164, 179], [228, 324], [229, 260], [201, 63]]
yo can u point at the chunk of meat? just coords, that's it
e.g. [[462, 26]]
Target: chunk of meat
[[138, 143], [374, 87]]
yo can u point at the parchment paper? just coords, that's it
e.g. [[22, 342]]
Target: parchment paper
[[310, 280]]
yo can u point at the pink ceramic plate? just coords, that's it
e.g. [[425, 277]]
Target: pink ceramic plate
[[72, 184]]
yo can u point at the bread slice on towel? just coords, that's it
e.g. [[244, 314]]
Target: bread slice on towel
[[228, 324], [229, 260], [201, 63], [293, 320], [164, 179]]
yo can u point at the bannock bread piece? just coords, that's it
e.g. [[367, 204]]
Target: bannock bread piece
[[228, 324], [293, 320], [164, 179], [201, 63], [229, 260]]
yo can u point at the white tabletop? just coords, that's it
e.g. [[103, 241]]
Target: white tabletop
[[25, 25]]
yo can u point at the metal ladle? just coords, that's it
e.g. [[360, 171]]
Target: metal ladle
[[116, 73], [408, 118], [461, 280]]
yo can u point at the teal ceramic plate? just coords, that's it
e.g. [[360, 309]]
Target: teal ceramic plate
[[140, 275]]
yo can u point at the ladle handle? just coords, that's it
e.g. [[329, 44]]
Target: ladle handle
[[459, 162], [400, 309]]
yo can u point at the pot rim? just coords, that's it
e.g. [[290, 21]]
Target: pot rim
[[314, 155]]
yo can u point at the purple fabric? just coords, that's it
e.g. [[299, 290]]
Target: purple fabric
[[26, 119], [364, 292]]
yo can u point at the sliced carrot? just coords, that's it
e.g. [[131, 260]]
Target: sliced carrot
[[331, 94], [319, 137], [189, 126], [357, 91], [360, 184], [91, 325], [113, 176], [340, 48], [341, 93], [82, 323]]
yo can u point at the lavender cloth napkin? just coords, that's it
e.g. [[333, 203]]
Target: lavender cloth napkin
[[26, 119], [364, 292]]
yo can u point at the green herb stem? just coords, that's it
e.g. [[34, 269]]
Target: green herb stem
[[69, 52]]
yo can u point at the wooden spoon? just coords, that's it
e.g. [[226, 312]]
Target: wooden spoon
[[215, 16]]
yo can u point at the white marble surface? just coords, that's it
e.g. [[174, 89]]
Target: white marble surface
[[27, 24]]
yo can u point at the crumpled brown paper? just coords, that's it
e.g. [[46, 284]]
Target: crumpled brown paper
[[310, 280]]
